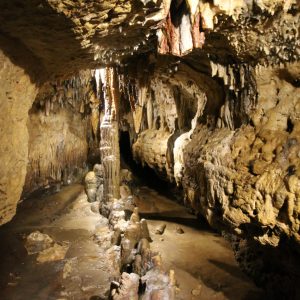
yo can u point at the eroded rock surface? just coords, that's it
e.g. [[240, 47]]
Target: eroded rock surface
[[237, 161], [17, 94]]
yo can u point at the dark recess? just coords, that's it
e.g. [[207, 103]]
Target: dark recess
[[145, 175]]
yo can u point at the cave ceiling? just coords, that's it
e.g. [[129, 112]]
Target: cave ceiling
[[69, 35]]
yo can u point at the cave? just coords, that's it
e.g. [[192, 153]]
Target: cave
[[150, 149]]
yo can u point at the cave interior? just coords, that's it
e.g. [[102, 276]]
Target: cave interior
[[150, 149]]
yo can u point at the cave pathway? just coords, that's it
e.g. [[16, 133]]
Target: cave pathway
[[203, 261], [83, 272]]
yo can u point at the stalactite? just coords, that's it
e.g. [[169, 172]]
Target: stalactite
[[186, 40], [240, 80], [138, 112], [47, 108], [74, 92], [95, 117], [181, 36], [58, 122], [149, 114], [197, 35]]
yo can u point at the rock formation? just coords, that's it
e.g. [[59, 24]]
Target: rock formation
[[17, 95], [207, 90]]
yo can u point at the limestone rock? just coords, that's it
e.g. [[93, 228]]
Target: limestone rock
[[160, 229], [45, 247], [179, 230], [54, 253], [125, 176], [37, 242], [91, 186], [158, 285], [128, 288], [14, 138]]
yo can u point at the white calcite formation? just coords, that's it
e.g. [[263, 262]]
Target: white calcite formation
[[109, 146]]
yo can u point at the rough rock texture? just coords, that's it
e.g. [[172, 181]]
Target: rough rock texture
[[71, 35], [17, 94], [57, 147], [131, 236], [86, 33], [66, 36], [249, 175], [47, 142], [58, 127], [237, 162]]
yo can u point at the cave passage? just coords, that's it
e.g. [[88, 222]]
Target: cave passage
[[70, 244], [144, 174], [203, 261], [81, 267], [149, 149]]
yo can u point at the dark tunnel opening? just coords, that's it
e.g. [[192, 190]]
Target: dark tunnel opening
[[145, 175]]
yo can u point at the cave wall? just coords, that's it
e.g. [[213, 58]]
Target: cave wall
[[234, 152], [240, 170], [168, 108], [47, 131], [17, 94], [57, 149], [248, 179], [63, 128], [214, 102]]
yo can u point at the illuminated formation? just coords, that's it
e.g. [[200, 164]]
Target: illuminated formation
[[109, 144]]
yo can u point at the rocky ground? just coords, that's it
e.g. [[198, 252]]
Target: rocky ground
[[203, 261], [59, 247], [71, 257]]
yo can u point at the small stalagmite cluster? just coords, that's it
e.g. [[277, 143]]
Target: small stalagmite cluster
[[130, 233], [142, 275]]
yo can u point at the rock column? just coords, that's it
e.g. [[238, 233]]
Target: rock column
[[109, 145]]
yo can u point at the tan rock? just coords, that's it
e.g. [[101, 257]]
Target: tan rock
[[54, 253], [37, 242]]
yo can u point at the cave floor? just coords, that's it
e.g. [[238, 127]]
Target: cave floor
[[69, 219], [203, 261], [204, 264]]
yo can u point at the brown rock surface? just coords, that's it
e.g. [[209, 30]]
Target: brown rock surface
[[247, 172], [238, 162], [17, 94]]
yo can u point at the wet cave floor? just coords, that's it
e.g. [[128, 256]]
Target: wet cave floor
[[204, 264], [203, 261]]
